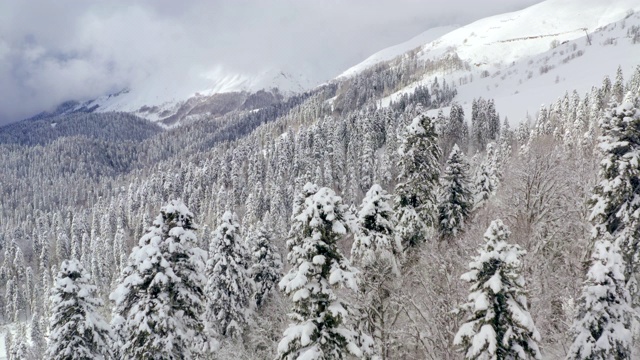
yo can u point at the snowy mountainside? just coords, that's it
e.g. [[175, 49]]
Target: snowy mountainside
[[502, 39], [159, 100], [399, 49], [509, 37], [531, 57], [210, 103]]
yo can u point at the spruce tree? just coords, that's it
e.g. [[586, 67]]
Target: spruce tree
[[159, 301], [321, 326], [266, 268], [229, 287], [456, 200], [456, 130], [377, 251], [486, 179], [601, 329], [375, 238], [618, 86], [616, 200], [498, 325], [38, 342], [415, 202], [78, 331]]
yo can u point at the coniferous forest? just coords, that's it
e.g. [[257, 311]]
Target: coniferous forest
[[326, 226]]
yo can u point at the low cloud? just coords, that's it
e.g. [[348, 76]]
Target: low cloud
[[53, 51]]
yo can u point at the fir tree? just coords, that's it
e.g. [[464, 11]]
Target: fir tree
[[618, 86], [415, 202], [78, 331], [456, 130], [456, 199], [377, 251], [499, 325], [375, 238], [486, 180], [266, 270], [616, 200], [601, 329], [159, 299], [38, 342], [20, 349], [8, 345], [229, 286], [321, 328]]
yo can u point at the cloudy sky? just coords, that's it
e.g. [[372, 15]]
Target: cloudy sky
[[52, 51]]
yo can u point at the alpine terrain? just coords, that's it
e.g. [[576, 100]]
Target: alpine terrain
[[471, 193]]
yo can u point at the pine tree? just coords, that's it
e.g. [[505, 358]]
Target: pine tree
[[601, 329], [78, 331], [456, 198], [415, 202], [377, 251], [616, 200], [266, 270], [499, 325], [229, 287], [321, 327], [159, 301]]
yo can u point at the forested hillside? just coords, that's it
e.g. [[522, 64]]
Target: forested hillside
[[377, 216], [394, 202]]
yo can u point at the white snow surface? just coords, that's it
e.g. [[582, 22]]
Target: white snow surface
[[396, 50], [167, 94], [507, 54], [512, 36]]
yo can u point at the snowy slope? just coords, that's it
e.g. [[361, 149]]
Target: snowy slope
[[158, 98], [505, 38], [512, 58], [508, 37], [507, 47], [396, 50]]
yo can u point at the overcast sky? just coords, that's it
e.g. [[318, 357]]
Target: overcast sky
[[52, 51]]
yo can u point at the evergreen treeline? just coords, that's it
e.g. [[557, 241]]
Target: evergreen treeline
[[258, 187]]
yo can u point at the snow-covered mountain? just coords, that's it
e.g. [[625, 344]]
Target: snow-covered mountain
[[168, 102], [529, 57], [393, 51], [521, 59]]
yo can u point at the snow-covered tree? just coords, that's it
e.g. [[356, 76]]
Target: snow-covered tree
[[229, 287], [321, 327], [266, 268], [376, 250], [78, 331], [602, 327], [617, 91], [159, 302], [38, 342], [616, 200], [8, 344], [375, 238], [415, 202], [486, 179], [456, 199], [20, 348], [499, 325], [456, 131]]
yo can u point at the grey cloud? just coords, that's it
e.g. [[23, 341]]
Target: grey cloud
[[52, 51]]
